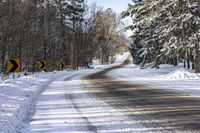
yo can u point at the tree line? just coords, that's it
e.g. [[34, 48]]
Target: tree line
[[165, 31], [70, 31]]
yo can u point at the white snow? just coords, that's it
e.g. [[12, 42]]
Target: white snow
[[120, 58], [167, 77], [64, 99], [67, 105], [182, 74], [18, 98]]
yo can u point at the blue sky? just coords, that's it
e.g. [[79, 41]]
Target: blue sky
[[117, 5]]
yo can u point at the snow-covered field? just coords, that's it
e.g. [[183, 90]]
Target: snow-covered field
[[167, 77]]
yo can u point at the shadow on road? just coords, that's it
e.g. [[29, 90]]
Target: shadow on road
[[157, 109]]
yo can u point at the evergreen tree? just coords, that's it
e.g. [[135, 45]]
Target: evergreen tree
[[167, 29]]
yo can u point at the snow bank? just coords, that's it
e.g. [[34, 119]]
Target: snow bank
[[167, 77], [182, 74], [18, 96]]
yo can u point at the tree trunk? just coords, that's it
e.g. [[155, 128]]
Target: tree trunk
[[171, 61], [3, 60], [184, 63], [3, 57], [46, 34], [188, 64], [175, 61], [197, 62], [192, 62]]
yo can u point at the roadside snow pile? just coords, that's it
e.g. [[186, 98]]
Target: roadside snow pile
[[182, 74], [167, 77], [121, 58], [17, 98]]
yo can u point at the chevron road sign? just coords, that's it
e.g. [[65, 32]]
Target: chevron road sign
[[61, 65], [42, 65], [13, 65]]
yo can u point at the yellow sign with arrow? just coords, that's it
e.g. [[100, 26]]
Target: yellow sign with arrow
[[42, 65], [13, 65], [61, 65]]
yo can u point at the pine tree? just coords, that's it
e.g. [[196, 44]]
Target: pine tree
[[167, 28]]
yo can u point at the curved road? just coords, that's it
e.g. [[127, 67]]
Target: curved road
[[155, 109], [98, 103]]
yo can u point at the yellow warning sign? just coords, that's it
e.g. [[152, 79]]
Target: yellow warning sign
[[42, 65], [13, 65]]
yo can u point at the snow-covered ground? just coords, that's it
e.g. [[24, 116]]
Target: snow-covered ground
[[68, 106], [119, 58], [167, 77], [19, 96]]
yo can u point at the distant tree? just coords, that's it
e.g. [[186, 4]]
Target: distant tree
[[108, 35]]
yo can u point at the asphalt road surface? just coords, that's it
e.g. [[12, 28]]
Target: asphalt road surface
[[156, 109], [98, 103]]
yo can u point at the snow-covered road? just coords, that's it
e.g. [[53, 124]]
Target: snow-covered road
[[108, 99], [69, 106], [97, 102], [56, 111]]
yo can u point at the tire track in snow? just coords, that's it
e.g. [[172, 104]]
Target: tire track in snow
[[71, 98], [157, 109]]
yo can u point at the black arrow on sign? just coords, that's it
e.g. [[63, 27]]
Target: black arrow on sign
[[15, 66], [62, 65], [43, 64]]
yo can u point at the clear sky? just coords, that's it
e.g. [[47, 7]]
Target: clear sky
[[117, 5]]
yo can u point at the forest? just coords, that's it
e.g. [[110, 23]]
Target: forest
[[68, 31], [99, 66], [165, 31], [74, 33]]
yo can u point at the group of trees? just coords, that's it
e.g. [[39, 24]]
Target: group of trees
[[57, 30], [165, 31]]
